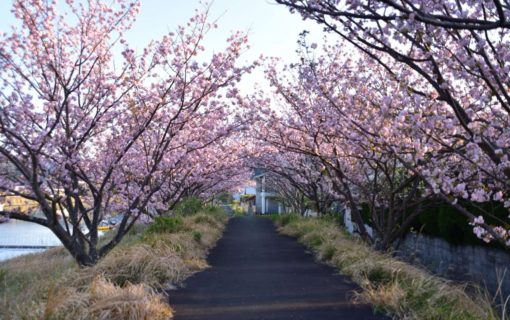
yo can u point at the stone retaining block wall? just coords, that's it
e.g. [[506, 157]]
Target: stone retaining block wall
[[479, 264]]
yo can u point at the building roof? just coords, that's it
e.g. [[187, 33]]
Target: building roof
[[258, 172]]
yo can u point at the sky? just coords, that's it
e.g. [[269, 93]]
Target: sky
[[273, 30]]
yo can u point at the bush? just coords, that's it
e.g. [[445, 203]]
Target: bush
[[214, 210], [224, 197], [329, 252], [189, 206], [3, 275], [286, 219], [314, 240], [379, 276], [197, 236], [165, 225], [206, 219], [440, 219]]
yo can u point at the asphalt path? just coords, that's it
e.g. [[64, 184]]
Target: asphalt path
[[258, 274]]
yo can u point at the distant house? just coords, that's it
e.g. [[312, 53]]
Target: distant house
[[9, 201], [247, 199], [248, 203], [17, 203], [267, 200]]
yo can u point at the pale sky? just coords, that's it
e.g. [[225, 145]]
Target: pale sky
[[273, 29]]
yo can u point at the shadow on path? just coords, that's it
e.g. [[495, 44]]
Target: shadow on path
[[258, 274]]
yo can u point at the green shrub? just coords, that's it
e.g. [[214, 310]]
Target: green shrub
[[202, 218], [189, 206], [237, 211], [329, 252], [440, 219], [286, 219], [136, 230], [224, 197], [210, 209], [197, 236], [3, 275], [165, 225], [314, 240], [304, 228], [379, 276]]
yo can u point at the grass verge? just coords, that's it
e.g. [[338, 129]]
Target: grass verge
[[390, 285], [126, 284]]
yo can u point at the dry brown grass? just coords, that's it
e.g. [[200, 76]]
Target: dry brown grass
[[105, 300], [49, 285], [27, 281], [392, 286]]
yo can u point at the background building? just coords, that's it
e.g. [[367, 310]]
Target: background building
[[267, 200]]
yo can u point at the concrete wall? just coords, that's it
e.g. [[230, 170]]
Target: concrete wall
[[258, 203], [478, 264], [271, 206], [472, 263]]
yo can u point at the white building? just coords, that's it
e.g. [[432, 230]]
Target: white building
[[267, 200]]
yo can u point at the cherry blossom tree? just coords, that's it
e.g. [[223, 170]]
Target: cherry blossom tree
[[206, 172], [92, 136], [454, 54], [298, 178], [372, 136]]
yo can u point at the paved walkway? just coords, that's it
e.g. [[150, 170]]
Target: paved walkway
[[257, 274]]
